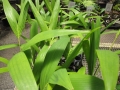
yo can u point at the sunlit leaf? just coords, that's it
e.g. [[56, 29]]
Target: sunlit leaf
[[34, 46], [11, 15], [109, 66], [37, 3], [55, 15], [82, 71], [38, 17], [8, 46], [48, 5], [34, 28], [70, 22], [22, 18], [3, 70], [86, 82], [94, 44], [51, 61], [21, 72], [60, 77], [53, 3], [76, 49], [50, 34], [4, 60]]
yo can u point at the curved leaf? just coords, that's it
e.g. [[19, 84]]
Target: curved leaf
[[21, 72], [4, 60], [109, 66], [60, 77], [34, 28], [39, 61], [48, 5], [41, 22], [51, 61], [22, 18], [54, 16], [50, 34], [70, 22], [86, 82], [8, 46], [75, 50], [11, 15], [94, 44], [3, 70]]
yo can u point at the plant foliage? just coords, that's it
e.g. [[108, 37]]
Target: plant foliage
[[36, 66]]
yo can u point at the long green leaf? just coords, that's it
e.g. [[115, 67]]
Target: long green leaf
[[4, 60], [22, 18], [55, 15], [82, 19], [33, 32], [75, 51], [21, 72], [28, 54], [39, 18], [34, 28], [22, 1], [11, 15], [39, 61], [82, 71], [60, 77], [50, 34], [108, 26], [48, 5], [86, 48], [53, 3], [3, 70], [8, 46], [70, 22], [86, 82], [37, 3], [109, 66], [94, 44], [34, 46], [51, 61]]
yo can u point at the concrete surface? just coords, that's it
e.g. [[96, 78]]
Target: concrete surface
[[5, 80]]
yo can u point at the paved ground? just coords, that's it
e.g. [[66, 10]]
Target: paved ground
[[5, 80]]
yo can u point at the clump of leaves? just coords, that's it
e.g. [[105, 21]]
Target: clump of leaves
[[35, 67], [116, 7]]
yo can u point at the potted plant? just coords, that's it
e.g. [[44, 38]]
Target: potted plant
[[35, 67]]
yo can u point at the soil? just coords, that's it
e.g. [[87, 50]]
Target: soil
[[4, 30]]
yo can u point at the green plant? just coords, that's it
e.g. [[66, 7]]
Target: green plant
[[35, 67], [116, 7]]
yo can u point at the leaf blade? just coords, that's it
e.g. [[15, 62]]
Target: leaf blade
[[8, 46], [4, 60], [49, 34], [54, 16], [51, 61], [3, 70], [21, 72], [110, 74], [39, 18], [60, 77]]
